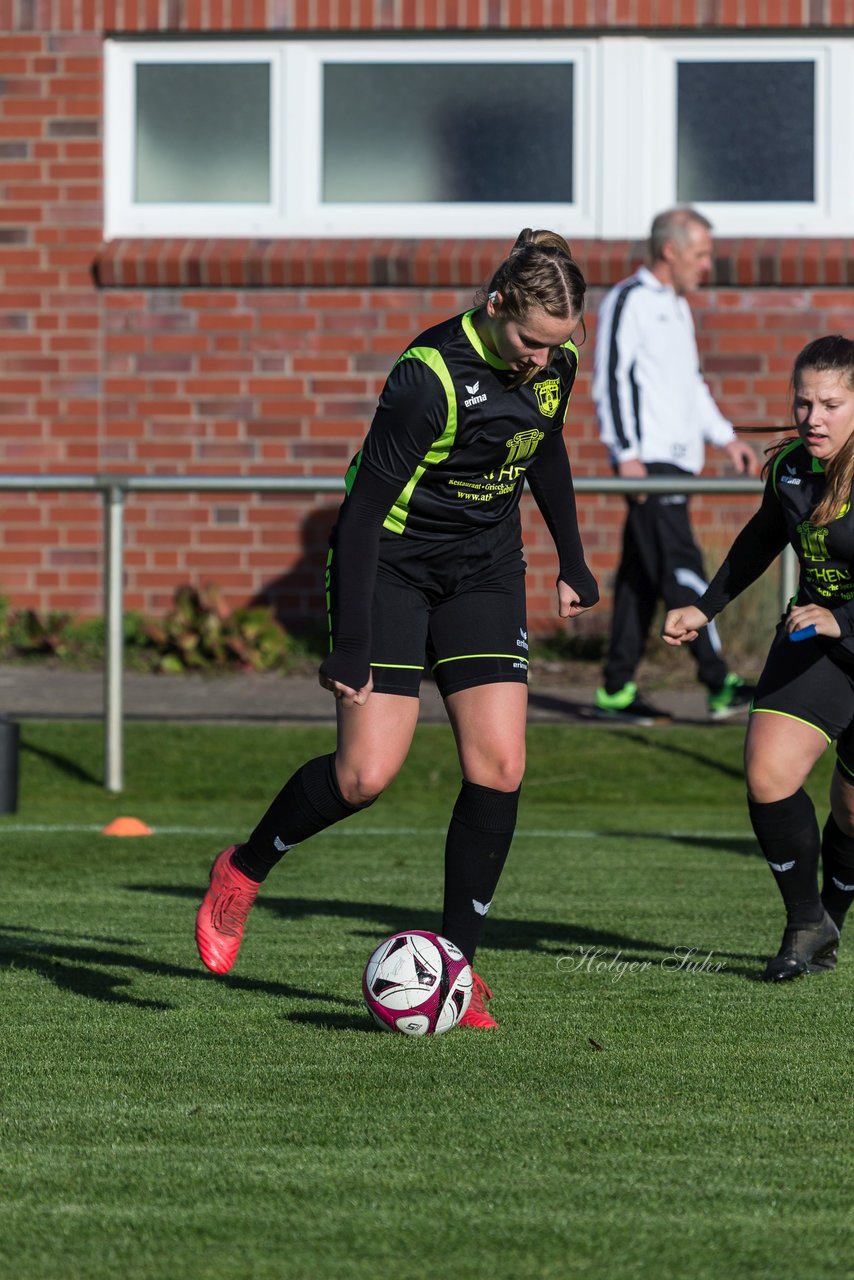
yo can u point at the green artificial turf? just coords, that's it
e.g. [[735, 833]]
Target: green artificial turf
[[648, 1108]]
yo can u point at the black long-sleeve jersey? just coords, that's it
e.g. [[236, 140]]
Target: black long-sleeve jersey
[[457, 435], [795, 486], [452, 441]]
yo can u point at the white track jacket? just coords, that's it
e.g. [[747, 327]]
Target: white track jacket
[[651, 398]]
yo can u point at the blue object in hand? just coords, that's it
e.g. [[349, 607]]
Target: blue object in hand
[[803, 633]]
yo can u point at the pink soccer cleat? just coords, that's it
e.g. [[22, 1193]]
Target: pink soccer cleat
[[222, 915], [477, 1014]]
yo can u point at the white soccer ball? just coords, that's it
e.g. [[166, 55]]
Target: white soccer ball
[[417, 983]]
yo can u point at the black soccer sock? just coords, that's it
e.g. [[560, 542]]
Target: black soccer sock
[[476, 849], [788, 835], [837, 861], [310, 801]]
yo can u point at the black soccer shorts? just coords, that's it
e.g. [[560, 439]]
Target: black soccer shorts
[[456, 608], [801, 680]]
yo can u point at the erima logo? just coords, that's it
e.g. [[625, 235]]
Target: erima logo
[[481, 907], [281, 846], [846, 888], [523, 642], [781, 866], [790, 477], [474, 398]]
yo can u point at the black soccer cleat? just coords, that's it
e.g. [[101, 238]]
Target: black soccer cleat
[[808, 948]]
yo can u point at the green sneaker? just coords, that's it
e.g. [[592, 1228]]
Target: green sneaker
[[627, 707], [732, 699]]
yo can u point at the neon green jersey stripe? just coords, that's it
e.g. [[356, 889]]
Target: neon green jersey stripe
[[395, 521], [475, 339], [489, 356], [399, 666], [462, 657]]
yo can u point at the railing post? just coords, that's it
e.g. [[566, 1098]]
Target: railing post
[[114, 499]]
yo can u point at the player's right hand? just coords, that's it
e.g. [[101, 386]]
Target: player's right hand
[[681, 626], [344, 694]]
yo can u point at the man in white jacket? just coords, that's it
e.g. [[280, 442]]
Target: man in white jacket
[[656, 414]]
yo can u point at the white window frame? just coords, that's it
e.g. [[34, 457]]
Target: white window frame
[[124, 217], [624, 144], [828, 213], [295, 208]]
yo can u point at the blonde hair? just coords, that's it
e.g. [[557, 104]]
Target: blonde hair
[[539, 271]]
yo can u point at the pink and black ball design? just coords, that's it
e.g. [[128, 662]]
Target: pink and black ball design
[[417, 983]]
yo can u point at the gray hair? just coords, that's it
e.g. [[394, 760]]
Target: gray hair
[[673, 224]]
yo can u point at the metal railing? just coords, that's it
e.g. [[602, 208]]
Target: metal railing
[[114, 488]]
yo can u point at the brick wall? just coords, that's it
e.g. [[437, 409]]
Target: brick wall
[[259, 359]]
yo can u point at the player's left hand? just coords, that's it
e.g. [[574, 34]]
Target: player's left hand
[[813, 615], [742, 458], [568, 601]]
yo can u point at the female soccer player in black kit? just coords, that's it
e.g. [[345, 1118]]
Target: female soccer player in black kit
[[805, 696], [425, 562]]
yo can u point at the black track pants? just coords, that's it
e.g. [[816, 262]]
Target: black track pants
[[660, 561]]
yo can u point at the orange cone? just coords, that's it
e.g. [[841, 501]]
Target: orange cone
[[126, 827]]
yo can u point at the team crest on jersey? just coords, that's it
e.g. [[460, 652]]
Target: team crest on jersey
[[548, 396]]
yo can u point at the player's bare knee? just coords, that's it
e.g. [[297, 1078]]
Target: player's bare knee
[[359, 786], [510, 777], [766, 785], [503, 774]]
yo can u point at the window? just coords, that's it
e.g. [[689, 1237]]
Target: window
[[757, 145], [474, 134], [202, 133], [752, 132], [477, 137], [333, 138]]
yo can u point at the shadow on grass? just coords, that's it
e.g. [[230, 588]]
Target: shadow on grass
[[335, 1021], [61, 763], [656, 742], [381, 919], [83, 970], [548, 938], [746, 848]]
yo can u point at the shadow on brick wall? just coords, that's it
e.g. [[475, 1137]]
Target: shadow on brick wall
[[297, 595]]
